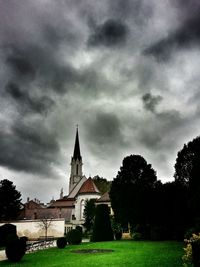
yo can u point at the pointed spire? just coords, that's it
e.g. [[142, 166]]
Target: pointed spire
[[77, 153]]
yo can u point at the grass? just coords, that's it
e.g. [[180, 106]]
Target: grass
[[126, 253]]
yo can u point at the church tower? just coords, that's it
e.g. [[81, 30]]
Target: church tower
[[76, 165]]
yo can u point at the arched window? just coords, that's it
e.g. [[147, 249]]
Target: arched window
[[82, 207], [77, 169]]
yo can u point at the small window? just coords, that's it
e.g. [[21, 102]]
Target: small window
[[77, 169]]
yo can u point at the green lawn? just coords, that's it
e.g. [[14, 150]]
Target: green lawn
[[126, 253]]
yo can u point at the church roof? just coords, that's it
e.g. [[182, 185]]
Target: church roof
[[77, 153], [104, 198], [88, 187]]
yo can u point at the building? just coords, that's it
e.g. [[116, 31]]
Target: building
[[70, 207]]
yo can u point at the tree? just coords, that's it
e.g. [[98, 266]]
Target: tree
[[187, 173], [102, 230], [186, 167], [102, 184], [10, 201], [45, 224], [131, 191], [89, 214]]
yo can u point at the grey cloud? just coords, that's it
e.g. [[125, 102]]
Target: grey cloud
[[188, 34], [29, 147], [110, 34], [150, 102], [104, 129], [30, 63], [27, 103]]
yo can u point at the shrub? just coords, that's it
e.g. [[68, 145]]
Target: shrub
[[61, 242], [74, 237], [192, 251], [118, 235], [23, 241], [15, 250], [80, 229], [136, 236], [102, 230], [6, 230]]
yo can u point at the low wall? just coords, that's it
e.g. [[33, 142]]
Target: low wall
[[34, 229]]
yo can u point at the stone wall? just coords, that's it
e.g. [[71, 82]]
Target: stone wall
[[33, 229]]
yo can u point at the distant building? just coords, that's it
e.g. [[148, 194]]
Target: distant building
[[70, 207]]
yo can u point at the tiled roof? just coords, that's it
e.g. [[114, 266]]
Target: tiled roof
[[88, 187], [104, 198], [63, 203]]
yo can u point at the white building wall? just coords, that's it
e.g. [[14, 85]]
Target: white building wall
[[33, 229], [80, 205]]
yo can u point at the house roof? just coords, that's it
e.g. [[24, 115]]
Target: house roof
[[104, 198], [63, 202], [88, 187]]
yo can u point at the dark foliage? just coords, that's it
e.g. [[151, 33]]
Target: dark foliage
[[131, 191], [15, 250], [169, 217], [118, 235], [102, 184], [74, 237], [61, 242], [187, 173], [7, 230], [80, 229], [196, 253], [89, 214], [10, 201], [102, 230]]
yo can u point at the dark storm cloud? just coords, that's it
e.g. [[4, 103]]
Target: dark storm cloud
[[32, 62], [111, 33], [104, 129], [150, 101], [26, 103], [28, 147], [186, 35]]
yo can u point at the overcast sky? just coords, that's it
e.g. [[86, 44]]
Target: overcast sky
[[127, 72]]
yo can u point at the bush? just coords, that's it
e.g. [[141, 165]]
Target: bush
[[61, 242], [102, 230], [15, 250], [23, 241], [118, 235], [196, 253], [6, 230], [74, 237], [192, 251], [136, 236], [80, 229]]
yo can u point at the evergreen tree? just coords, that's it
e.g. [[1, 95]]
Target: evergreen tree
[[10, 201], [131, 191], [89, 214], [102, 230]]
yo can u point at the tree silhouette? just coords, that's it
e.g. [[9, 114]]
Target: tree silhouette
[[10, 201], [131, 191], [187, 173]]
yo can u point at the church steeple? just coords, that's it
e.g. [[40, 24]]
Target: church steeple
[[77, 153], [76, 164]]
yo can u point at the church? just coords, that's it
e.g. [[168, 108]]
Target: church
[[70, 207]]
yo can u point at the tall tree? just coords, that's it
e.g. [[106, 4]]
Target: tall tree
[[10, 201], [102, 230], [131, 191], [187, 172], [89, 214]]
